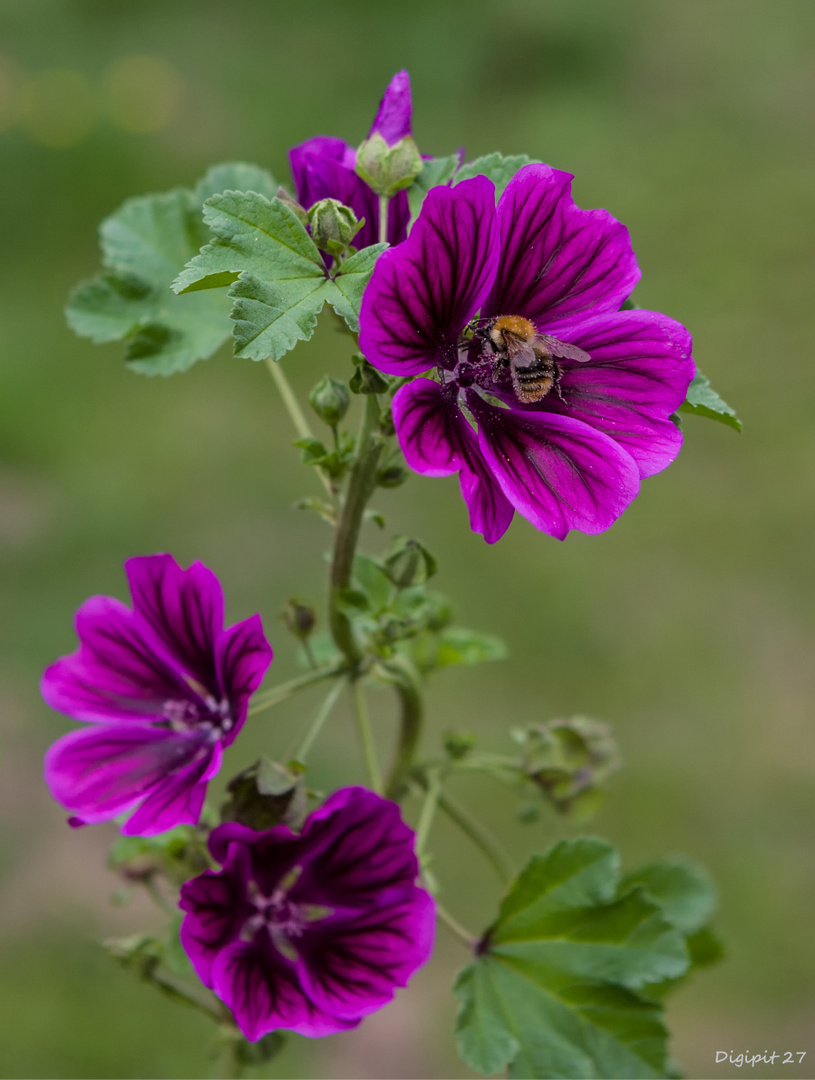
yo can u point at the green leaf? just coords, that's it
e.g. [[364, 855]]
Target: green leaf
[[235, 176], [702, 400], [553, 992], [436, 171], [684, 891], [278, 277], [144, 246], [457, 645], [495, 167]]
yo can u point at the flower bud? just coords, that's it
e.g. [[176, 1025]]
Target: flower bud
[[569, 760], [293, 205], [299, 618], [330, 400], [408, 563], [333, 225], [388, 169]]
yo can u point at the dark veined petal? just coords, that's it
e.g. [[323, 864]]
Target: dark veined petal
[[423, 292], [261, 989], [392, 121], [217, 908], [352, 966], [355, 847], [98, 773], [638, 375], [558, 472], [121, 671], [556, 259], [437, 441], [184, 608], [242, 657]]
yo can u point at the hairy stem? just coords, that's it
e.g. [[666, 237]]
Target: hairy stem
[[318, 721], [479, 835], [298, 418], [366, 737], [361, 484], [275, 694], [383, 219], [428, 812]]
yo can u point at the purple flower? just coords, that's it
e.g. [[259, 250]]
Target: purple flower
[[166, 688], [323, 168], [565, 426], [310, 933]]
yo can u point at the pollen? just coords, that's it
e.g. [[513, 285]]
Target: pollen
[[515, 324]]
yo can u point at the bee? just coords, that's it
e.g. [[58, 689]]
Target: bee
[[529, 355]]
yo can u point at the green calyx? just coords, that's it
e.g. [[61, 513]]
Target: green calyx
[[388, 169], [333, 226]]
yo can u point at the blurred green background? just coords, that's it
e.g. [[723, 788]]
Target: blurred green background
[[689, 625]]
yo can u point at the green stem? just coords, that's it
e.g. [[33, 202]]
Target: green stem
[[275, 694], [318, 721], [463, 935], [361, 484], [366, 737], [410, 724], [158, 897], [479, 835], [428, 812], [298, 418], [383, 219]]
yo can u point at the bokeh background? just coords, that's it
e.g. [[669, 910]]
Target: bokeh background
[[689, 625]]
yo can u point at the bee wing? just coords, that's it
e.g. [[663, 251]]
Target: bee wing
[[520, 353], [563, 349]]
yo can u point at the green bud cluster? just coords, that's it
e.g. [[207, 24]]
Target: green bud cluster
[[333, 226]]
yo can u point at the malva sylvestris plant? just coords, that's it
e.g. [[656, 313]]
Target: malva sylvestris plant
[[494, 337]]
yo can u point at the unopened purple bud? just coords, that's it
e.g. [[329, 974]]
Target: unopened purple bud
[[392, 121]]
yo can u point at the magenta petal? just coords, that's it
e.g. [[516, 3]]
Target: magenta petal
[[392, 121], [354, 966], [242, 656], [558, 472], [556, 259], [423, 292], [184, 608], [638, 375], [323, 168], [437, 441], [178, 800], [261, 989], [98, 773], [220, 909], [120, 672]]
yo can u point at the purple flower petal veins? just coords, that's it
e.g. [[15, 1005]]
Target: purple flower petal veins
[[323, 168], [571, 455], [166, 688], [310, 932]]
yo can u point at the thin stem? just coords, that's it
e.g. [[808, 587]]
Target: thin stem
[[383, 219], [428, 812], [479, 835], [410, 724], [298, 418], [275, 694], [158, 897], [366, 737], [455, 927], [317, 723], [170, 988], [361, 484]]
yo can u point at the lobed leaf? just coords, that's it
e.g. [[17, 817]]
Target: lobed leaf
[[554, 991], [145, 244], [495, 167], [435, 171], [702, 400]]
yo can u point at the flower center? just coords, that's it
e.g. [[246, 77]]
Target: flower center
[[211, 715], [283, 919]]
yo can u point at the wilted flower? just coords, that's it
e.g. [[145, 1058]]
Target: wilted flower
[[324, 167], [166, 688], [310, 932], [569, 452]]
